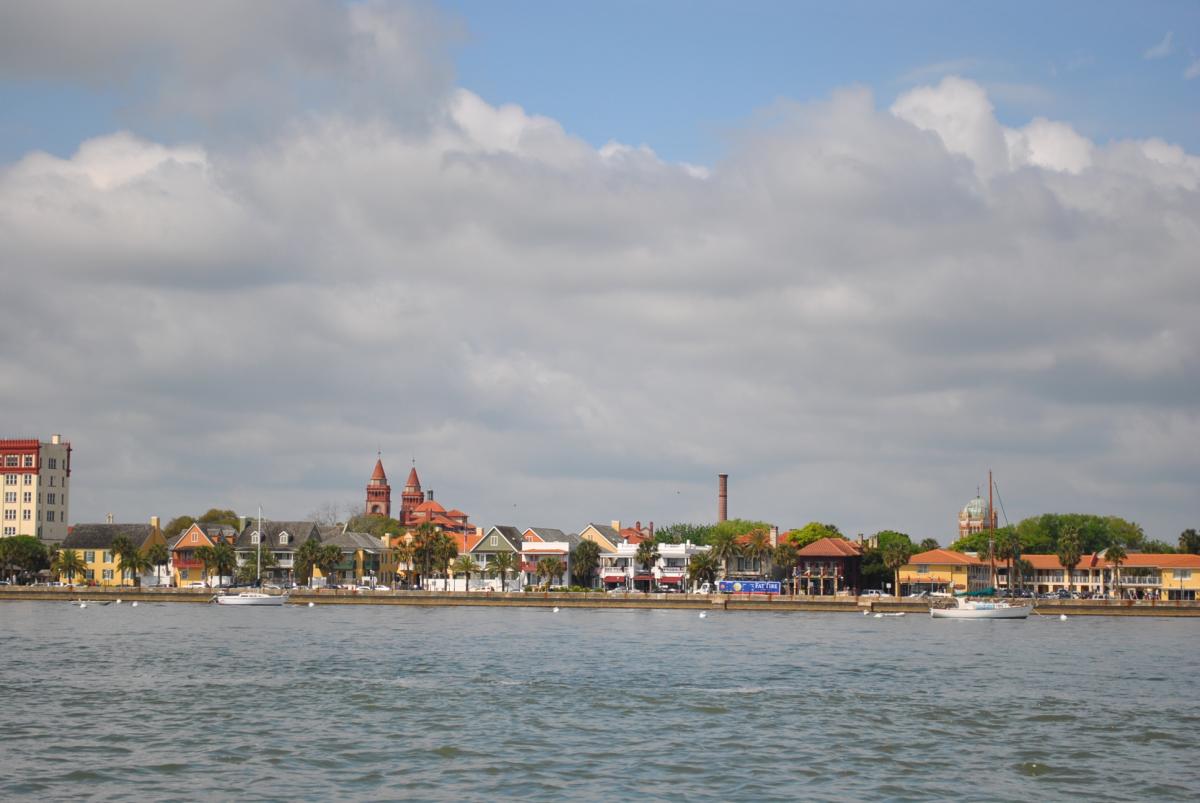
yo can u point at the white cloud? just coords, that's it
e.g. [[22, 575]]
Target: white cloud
[[1193, 70], [856, 313], [1163, 49]]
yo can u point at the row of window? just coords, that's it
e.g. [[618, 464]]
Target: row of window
[[11, 479], [10, 498], [27, 515], [284, 538], [13, 461]]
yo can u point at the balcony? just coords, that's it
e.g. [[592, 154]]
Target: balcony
[[187, 563]]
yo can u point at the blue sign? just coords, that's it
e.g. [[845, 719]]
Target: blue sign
[[749, 586]]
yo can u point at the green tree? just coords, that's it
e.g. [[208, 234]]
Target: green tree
[[1189, 541], [159, 557], [134, 563], [584, 562], [304, 560], [1116, 556], [702, 568], [445, 550], [681, 533], [217, 516], [1153, 547], [811, 532], [1069, 552], [326, 558], [404, 554], [177, 525], [647, 555], [873, 570], [785, 557], [425, 542], [68, 563], [895, 555], [466, 566], [725, 546], [757, 547], [377, 526], [1023, 569], [1008, 549], [929, 544], [501, 565], [259, 561], [549, 568]]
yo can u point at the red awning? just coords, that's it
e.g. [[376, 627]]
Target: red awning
[[671, 580], [643, 577], [614, 578]]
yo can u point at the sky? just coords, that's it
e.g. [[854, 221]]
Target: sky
[[577, 259]]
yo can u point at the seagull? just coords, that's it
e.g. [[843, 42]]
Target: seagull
[[703, 614], [1062, 617], [866, 613], [82, 604], [879, 616], [135, 603], [118, 600], [556, 609], [310, 604]]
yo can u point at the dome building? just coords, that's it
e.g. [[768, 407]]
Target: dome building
[[975, 517]]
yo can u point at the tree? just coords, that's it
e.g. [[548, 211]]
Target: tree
[[874, 572], [550, 568], [1189, 542], [326, 558], [304, 560], [135, 564], [424, 546], [785, 557], [159, 557], [647, 555], [1154, 547], [895, 555], [218, 516], [813, 531], [465, 565], [501, 565], [681, 533], [757, 547], [1024, 569], [584, 562], [445, 550], [1008, 549], [177, 525], [68, 563], [260, 560], [374, 525], [404, 553], [928, 544], [702, 568], [1116, 556], [725, 546], [1069, 552]]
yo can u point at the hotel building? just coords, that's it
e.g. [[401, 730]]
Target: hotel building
[[35, 487]]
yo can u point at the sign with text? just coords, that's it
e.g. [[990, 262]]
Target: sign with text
[[749, 587]]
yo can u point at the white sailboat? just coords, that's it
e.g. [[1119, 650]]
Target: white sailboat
[[975, 609], [254, 597]]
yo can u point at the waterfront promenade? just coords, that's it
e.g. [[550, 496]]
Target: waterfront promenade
[[773, 603]]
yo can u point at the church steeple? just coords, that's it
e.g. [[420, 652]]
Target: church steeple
[[379, 493], [412, 496]]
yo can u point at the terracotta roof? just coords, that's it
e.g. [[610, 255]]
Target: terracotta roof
[[456, 514], [431, 506], [413, 481], [633, 535], [830, 548], [1132, 560], [945, 556], [378, 473]]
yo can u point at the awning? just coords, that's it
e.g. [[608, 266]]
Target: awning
[[671, 580], [643, 577], [614, 578]]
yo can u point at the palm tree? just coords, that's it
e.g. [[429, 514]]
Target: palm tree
[[135, 564], [584, 562], [1008, 549], [445, 549], [159, 557], [68, 563], [895, 555], [724, 547], [425, 545], [467, 566], [501, 565], [702, 568], [304, 560], [647, 555], [786, 556], [550, 568], [757, 547], [1024, 569], [1116, 555], [123, 549], [1069, 552], [404, 553], [207, 555], [251, 570], [327, 558]]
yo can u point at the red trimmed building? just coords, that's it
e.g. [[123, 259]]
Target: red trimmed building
[[418, 507], [34, 482], [379, 493], [829, 566]]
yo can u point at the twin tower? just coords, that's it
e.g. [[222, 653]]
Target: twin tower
[[379, 493]]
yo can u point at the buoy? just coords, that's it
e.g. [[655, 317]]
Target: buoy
[[866, 613], [118, 600], [82, 604], [135, 603], [703, 614], [879, 616], [1062, 617], [556, 610], [310, 604]]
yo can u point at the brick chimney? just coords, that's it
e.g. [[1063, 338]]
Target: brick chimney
[[722, 497]]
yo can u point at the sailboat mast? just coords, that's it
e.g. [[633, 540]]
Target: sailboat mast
[[260, 536], [991, 525]]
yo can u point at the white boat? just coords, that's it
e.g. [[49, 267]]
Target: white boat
[[974, 609], [253, 597]]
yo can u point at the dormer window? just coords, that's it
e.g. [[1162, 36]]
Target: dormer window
[[195, 537], [284, 539], [254, 538]]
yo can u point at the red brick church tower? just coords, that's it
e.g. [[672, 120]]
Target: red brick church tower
[[379, 493], [411, 496]]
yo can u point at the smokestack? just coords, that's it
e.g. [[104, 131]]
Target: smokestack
[[108, 518], [154, 522], [722, 497], [651, 531]]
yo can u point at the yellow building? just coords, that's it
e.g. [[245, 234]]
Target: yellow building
[[93, 543], [33, 493], [1142, 575], [944, 571]]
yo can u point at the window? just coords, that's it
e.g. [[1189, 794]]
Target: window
[[10, 515], [26, 515], [183, 574], [107, 557], [10, 530], [195, 537], [51, 480], [28, 461], [50, 499], [28, 496], [10, 479], [254, 538], [11, 461], [922, 568], [53, 462], [10, 496], [89, 557], [284, 538], [495, 541], [108, 574], [49, 515], [89, 574], [1183, 574], [28, 479]]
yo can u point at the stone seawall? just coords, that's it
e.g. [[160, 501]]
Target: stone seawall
[[728, 602]]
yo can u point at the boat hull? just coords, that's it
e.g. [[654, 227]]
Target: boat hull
[[1013, 612], [253, 599]]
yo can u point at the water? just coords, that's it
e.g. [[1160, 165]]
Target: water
[[345, 702]]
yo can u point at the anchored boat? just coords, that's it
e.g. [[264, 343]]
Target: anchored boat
[[253, 597], [974, 609]]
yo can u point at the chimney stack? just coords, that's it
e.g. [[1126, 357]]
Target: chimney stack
[[616, 525], [108, 518], [651, 531], [722, 497], [154, 522]]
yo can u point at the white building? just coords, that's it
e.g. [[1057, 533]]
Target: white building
[[35, 488]]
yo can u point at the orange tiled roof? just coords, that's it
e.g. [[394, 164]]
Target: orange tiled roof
[[377, 474], [429, 505], [830, 548], [1132, 560], [945, 556]]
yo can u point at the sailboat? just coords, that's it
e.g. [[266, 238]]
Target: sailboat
[[254, 597]]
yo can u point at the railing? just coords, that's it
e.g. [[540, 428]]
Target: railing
[[187, 563]]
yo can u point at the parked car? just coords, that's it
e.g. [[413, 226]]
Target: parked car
[[874, 592], [917, 595], [382, 587], [197, 584]]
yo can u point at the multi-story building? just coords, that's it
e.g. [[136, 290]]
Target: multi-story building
[[101, 565], [35, 489]]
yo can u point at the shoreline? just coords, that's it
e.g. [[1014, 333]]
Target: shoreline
[[547, 599]]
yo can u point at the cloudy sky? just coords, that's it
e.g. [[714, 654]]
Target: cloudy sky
[[578, 259]]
